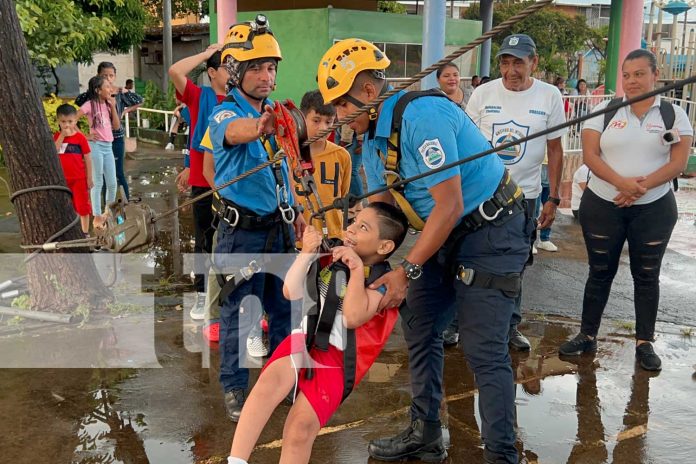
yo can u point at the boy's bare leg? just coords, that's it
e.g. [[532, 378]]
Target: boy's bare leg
[[84, 222], [270, 390], [301, 429]]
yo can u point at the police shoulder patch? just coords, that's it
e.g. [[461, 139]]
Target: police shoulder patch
[[432, 153], [224, 114]]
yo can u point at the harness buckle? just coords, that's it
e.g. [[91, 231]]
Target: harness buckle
[[226, 215], [286, 211], [248, 271], [388, 172], [465, 274], [485, 215]]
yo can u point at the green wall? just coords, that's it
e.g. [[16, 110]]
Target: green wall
[[304, 36], [397, 28]]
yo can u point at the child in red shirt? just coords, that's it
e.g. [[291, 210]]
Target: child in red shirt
[[73, 150], [377, 232]]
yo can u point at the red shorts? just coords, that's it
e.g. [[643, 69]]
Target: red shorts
[[324, 390], [80, 195]]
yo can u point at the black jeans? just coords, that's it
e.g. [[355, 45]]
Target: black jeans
[[203, 235], [605, 228]]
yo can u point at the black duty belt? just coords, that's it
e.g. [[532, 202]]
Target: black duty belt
[[243, 218], [509, 284], [505, 201]]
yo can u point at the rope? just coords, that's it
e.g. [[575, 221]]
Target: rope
[[339, 202], [351, 117], [433, 67], [60, 188]]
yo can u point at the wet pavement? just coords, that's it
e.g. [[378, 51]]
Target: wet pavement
[[586, 410]]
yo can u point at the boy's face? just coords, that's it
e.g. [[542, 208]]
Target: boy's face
[[317, 122], [363, 236], [67, 123]]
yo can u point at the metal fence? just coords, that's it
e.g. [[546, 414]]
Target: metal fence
[[140, 118]]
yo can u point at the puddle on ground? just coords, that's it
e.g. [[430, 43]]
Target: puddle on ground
[[587, 410]]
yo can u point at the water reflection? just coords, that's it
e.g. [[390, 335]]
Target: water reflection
[[108, 436]]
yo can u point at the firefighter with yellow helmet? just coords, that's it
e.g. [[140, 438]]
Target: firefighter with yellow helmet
[[468, 258], [257, 215]]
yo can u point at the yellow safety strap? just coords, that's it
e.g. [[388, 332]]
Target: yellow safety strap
[[391, 176]]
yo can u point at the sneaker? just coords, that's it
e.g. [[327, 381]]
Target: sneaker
[[197, 313], [534, 250], [169, 147], [547, 245], [578, 345], [256, 348], [646, 357]]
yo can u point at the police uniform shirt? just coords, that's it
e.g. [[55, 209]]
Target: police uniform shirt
[[505, 116], [435, 132], [633, 147], [258, 191]]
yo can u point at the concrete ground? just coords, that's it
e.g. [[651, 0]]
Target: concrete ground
[[587, 410]]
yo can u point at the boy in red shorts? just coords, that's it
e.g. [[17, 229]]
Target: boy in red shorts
[[73, 150], [356, 336]]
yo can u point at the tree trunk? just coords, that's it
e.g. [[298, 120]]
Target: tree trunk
[[58, 282]]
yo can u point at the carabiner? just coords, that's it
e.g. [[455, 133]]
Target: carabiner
[[485, 215]]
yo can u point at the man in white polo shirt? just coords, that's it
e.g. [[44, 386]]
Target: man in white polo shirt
[[513, 107]]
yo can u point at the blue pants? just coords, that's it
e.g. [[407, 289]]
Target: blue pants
[[238, 313], [544, 234], [103, 172], [484, 323], [119, 147]]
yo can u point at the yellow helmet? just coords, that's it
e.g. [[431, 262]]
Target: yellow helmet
[[343, 62], [251, 40]]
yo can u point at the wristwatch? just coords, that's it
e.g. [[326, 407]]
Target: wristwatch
[[413, 271], [554, 200]]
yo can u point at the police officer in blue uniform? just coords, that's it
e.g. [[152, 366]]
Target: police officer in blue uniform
[[257, 214], [468, 257]]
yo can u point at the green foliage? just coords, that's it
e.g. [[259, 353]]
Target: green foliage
[[391, 7], [179, 8], [557, 35], [59, 31], [154, 98], [62, 31], [21, 302]]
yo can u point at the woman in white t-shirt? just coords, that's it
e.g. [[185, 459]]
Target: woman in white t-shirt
[[629, 197], [448, 80]]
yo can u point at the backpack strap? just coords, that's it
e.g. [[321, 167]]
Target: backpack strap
[[668, 117], [610, 115]]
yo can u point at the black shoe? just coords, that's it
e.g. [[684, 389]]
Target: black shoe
[[646, 357], [450, 337], [578, 345], [518, 342], [234, 401], [419, 441]]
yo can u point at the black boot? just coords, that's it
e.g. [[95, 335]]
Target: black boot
[[234, 401], [421, 440]]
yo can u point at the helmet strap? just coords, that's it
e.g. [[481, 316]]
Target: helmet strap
[[372, 113]]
